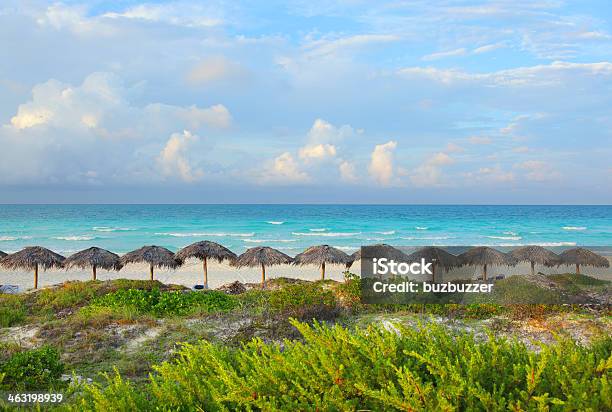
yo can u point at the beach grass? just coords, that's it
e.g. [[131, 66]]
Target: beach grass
[[129, 327]]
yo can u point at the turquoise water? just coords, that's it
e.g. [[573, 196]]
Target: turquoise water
[[291, 228]]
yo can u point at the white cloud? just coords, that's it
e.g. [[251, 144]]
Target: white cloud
[[444, 54], [215, 69], [216, 116], [538, 170], [553, 74], [67, 130], [188, 14], [173, 158], [347, 171], [491, 174], [430, 172], [454, 148], [325, 132], [381, 163], [317, 152], [487, 48], [100, 102], [331, 47], [285, 169]]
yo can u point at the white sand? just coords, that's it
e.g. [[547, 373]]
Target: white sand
[[188, 275], [218, 274]]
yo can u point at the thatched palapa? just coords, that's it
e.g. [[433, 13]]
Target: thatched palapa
[[440, 258], [535, 255], [206, 250], [320, 255], [2, 254], [485, 256], [33, 258], [380, 250], [261, 256], [155, 256], [583, 257], [94, 258]]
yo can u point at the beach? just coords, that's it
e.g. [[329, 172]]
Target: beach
[[219, 274]]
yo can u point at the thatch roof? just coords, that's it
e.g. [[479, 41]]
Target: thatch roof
[[536, 254], [439, 256], [584, 257], [2, 254], [206, 250], [153, 255], [382, 250], [30, 257], [318, 255], [257, 256], [94, 256], [484, 255]]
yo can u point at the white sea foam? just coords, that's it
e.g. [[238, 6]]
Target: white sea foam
[[75, 238], [269, 240], [543, 244], [505, 237], [274, 222], [327, 234], [174, 234], [389, 232], [11, 238], [323, 229], [574, 228], [510, 233], [421, 228], [110, 229], [348, 248], [426, 238], [551, 244]]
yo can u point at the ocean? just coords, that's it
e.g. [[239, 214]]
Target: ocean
[[292, 228]]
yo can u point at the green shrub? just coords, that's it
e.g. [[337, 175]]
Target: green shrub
[[305, 301], [12, 310], [32, 369], [174, 303], [372, 369]]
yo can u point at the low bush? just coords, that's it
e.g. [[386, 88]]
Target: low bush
[[12, 310], [304, 301], [32, 369], [172, 303], [417, 369]]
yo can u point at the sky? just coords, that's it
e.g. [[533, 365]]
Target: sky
[[306, 102]]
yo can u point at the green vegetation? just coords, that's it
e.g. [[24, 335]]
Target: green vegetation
[[34, 369], [173, 303], [334, 368], [217, 351]]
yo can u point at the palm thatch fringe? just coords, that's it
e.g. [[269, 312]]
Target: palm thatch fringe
[[535, 255], [155, 256], [485, 256], [261, 256], [320, 255], [33, 257], [94, 258], [203, 251], [439, 258], [583, 257]]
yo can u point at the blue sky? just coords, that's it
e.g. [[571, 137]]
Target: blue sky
[[306, 101]]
